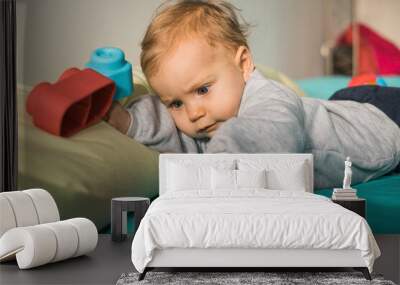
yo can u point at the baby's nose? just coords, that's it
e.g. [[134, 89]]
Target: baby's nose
[[195, 113]]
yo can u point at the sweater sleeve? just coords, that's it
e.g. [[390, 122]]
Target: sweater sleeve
[[271, 120], [152, 125]]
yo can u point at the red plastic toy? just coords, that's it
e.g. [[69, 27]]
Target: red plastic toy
[[366, 79], [79, 98], [376, 54]]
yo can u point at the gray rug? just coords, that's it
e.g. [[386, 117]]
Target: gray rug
[[269, 278]]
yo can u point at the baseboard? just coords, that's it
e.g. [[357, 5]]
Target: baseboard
[[388, 263]]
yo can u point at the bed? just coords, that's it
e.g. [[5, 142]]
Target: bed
[[203, 219]]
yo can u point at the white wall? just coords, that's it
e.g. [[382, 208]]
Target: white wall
[[288, 34], [383, 16], [56, 34]]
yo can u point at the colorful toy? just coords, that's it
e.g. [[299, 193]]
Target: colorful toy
[[367, 79], [79, 98], [111, 62]]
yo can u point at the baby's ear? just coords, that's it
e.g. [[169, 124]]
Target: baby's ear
[[244, 60]]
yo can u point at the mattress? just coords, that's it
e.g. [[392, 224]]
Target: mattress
[[383, 203], [251, 218]]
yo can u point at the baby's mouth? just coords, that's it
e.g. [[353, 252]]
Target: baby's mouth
[[208, 128]]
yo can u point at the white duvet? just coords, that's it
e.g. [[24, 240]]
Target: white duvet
[[250, 218]]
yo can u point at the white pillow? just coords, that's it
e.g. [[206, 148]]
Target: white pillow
[[228, 179], [251, 178], [290, 179], [181, 177], [281, 175], [295, 178], [223, 179], [189, 174]]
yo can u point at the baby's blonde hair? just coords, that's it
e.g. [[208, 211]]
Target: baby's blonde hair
[[215, 20]]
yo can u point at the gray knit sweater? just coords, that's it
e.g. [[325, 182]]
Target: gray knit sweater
[[273, 119]]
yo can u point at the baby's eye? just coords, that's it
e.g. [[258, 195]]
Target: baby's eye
[[202, 90], [176, 104]]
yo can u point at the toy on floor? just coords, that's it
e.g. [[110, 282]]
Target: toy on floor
[[31, 231], [78, 99], [111, 62], [367, 79]]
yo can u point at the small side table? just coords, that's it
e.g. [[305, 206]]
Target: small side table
[[119, 209], [357, 205]]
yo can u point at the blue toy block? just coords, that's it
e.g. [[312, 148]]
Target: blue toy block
[[111, 62], [380, 81]]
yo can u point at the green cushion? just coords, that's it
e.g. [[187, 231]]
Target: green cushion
[[85, 171], [383, 203]]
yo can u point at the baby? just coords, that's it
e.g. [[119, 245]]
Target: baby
[[210, 99]]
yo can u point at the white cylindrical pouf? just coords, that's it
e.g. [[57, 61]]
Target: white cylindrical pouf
[[45, 205], [7, 218], [67, 239], [23, 208], [34, 245], [87, 234]]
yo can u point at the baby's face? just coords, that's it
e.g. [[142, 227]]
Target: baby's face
[[201, 86]]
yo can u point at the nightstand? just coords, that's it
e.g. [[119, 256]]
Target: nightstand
[[119, 210], [357, 205]]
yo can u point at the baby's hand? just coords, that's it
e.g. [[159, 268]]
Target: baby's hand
[[118, 117]]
